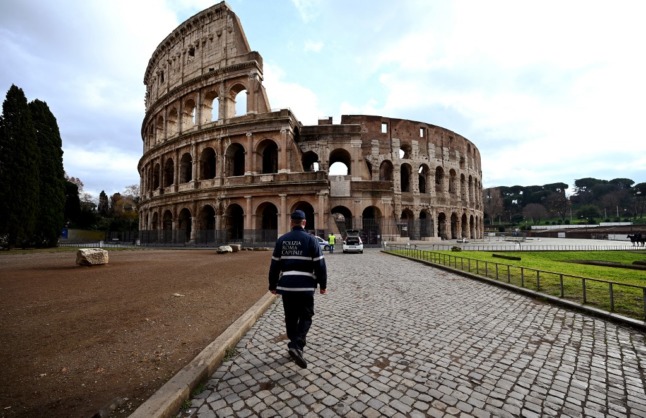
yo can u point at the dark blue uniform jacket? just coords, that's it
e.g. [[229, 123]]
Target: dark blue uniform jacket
[[297, 264]]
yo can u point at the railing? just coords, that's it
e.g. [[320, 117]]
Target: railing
[[620, 298], [513, 245]]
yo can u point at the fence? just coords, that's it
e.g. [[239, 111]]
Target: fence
[[623, 299], [521, 246]]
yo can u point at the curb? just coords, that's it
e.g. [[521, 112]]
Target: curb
[[167, 401]]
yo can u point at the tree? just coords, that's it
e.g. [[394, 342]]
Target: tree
[[535, 212], [72, 203], [19, 174], [557, 204], [493, 203], [50, 218], [104, 204]]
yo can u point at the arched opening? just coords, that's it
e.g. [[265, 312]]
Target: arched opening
[[267, 213], [167, 226], [154, 225], [234, 223], [441, 225], [207, 164], [239, 97], [386, 171], [405, 174], [156, 176], [185, 225], [423, 174], [172, 122], [465, 226], [169, 172], [268, 151], [452, 182], [235, 160], [454, 226], [340, 162], [210, 107], [407, 224], [405, 151], [425, 224], [159, 129], [439, 180], [206, 233], [189, 114], [309, 214], [186, 168], [371, 226], [463, 187], [343, 218], [310, 161]]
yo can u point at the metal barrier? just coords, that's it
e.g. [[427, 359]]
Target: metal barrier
[[620, 298]]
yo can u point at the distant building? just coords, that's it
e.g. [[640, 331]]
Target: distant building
[[212, 174]]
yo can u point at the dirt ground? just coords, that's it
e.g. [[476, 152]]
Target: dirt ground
[[74, 340]]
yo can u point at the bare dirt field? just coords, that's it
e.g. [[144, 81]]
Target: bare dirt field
[[74, 340]]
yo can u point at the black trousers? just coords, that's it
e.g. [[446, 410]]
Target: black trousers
[[299, 310]]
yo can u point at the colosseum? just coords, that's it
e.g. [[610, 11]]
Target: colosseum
[[219, 165]]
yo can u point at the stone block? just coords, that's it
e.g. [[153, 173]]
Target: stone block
[[224, 249], [91, 257]]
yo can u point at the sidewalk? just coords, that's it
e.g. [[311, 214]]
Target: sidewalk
[[396, 338]]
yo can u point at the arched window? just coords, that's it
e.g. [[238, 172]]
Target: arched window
[[169, 172], [207, 164], [186, 168], [235, 160]]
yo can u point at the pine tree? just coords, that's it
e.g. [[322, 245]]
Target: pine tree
[[52, 175], [104, 205], [19, 173]]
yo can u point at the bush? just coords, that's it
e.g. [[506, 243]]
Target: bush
[[456, 248]]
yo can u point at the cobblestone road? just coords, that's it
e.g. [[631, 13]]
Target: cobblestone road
[[394, 338]]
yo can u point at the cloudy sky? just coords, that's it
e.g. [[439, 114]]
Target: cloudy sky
[[549, 91]]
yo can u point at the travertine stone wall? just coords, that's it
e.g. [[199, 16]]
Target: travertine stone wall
[[219, 165]]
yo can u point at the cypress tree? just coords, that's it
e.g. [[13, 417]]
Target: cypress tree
[[52, 175], [19, 173]]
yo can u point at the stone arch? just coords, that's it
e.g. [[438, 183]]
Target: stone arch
[[423, 175], [184, 225], [207, 164], [234, 222], [310, 161], [206, 224], [156, 176], [186, 168], [371, 218], [464, 226], [425, 224], [441, 225], [439, 180], [235, 160], [452, 182], [210, 107], [342, 214], [159, 129], [172, 122], [341, 156], [267, 218], [463, 187], [169, 172], [405, 151], [455, 221], [309, 214], [407, 224], [238, 96], [386, 171], [167, 226], [189, 114], [267, 152], [154, 223], [405, 177], [472, 227]]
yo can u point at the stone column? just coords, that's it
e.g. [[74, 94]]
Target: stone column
[[283, 215], [249, 163]]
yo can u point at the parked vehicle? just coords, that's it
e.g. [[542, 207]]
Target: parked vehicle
[[323, 244], [352, 242]]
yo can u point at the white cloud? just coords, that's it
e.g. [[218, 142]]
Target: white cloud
[[283, 94], [313, 46]]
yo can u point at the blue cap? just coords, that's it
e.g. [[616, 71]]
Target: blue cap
[[298, 214]]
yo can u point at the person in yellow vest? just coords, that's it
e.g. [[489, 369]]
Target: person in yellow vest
[[331, 239]]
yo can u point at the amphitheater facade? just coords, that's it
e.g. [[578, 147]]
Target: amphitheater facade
[[219, 165]]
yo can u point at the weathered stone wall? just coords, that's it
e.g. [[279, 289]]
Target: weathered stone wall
[[211, 174]]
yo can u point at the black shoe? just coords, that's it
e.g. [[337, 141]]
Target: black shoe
[[297, 356]]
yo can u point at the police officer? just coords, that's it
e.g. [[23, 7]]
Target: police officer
[[297, 267], [331, 240]]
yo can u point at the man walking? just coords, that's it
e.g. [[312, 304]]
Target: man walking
[[297, 267]]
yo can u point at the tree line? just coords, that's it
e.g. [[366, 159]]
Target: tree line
[[591, 201], [37, 198]]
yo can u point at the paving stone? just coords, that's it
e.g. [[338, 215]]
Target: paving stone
[[378, 347]]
